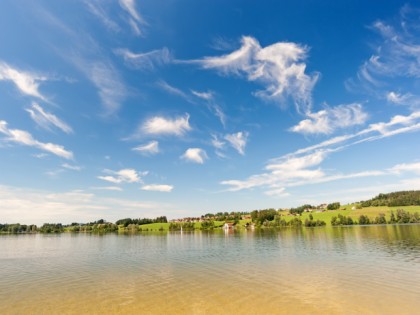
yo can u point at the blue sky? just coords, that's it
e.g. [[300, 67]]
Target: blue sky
[[113, 109]]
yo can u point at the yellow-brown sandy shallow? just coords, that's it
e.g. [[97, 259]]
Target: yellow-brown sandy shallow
[[358, 270]]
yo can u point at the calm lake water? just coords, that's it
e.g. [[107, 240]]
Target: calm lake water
[[354, 270]]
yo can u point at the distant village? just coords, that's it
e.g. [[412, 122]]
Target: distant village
[[234, 216]]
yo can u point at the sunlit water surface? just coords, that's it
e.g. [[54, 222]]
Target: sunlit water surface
[[354, 270]]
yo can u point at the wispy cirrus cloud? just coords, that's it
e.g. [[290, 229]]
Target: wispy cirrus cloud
[[165, 86], [150, 148], [135, 20], [26, 82], [109, 188], [279, 67], [106, 78], [398, 124], [71, 167], [127, 175], [238, 141], [195, 155], [145, 61], [159, 125], [157, 187], [97, 9], [282, 171], [219, 145], [195, 97], [25, 138], [84, 52], [303, 166], [209, 98], [395, 56], [406, 99], [222, 44], [328, 120], [47, 120], [406, 167]]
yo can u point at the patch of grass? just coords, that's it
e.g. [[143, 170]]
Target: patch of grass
[[165, 226], [197, 225], [371, 212], [155, 226]]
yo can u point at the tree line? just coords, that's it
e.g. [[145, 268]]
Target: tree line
[[99, 226], [399, 217], [394, 199]]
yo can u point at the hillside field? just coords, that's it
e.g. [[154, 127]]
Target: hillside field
[[371, 212], [326, 216]]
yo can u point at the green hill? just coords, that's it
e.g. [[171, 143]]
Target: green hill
[[394, 199]]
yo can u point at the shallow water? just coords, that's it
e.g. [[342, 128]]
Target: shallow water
[[343, 270]]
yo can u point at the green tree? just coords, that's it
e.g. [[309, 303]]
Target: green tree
[[333, 206], [364, 219]]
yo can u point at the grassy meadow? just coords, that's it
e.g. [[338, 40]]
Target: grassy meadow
[[371, 212], [326, 216]]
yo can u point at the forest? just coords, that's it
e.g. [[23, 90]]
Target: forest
[[394, 199]]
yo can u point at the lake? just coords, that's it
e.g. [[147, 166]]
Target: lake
[[342, 270]]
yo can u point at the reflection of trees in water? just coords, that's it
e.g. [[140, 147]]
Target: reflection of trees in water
[[397, 239], [403, 240]]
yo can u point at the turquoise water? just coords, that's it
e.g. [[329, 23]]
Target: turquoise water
[[343, 270]]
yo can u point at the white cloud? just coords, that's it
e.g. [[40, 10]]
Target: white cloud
[[395, 56], [147, 60], [158, 125], [288, 170], [27, 82], [54, 173], [46, 120], [25, 138], [156, 187], [407, 99], [222, 44], [110, 87], [126, 175], [406, 167], [217, 143], [29, 206], [238, 141], [90, 58], [110, 188], [102, 74], [173, 90], [40, 155], [135, 19], [211, 104], [278, 67], [207, 97], [298, 168], [297, 163], [277, 192], [294, 171], [71, 167], [218, 112], [195, 155], [387, 128], [204, 95], [148, 149], [395, 97], [96, 9], [328, 120], [219, 146], [396, 125]]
